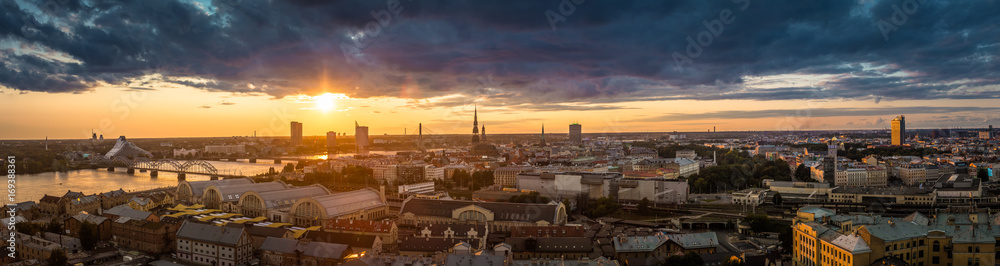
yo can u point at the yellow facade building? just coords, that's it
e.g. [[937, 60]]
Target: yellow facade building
[[953, 237]]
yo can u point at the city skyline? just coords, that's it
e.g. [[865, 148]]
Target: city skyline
[[336, 132]]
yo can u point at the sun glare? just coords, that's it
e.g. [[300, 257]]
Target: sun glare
[[327, 101]]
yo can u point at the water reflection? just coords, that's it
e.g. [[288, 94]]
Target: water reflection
[[33, 187]]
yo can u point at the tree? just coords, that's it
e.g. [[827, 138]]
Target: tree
[[758, 222], [54, 226], [481, 179], [288, 168], [602, 207], [689, 259], [462, 178], [643, 206], [733, 261], [983, 174], [777, 198], [88, 235], [785, 236], [58, 257], [29, 228], [802, 173]]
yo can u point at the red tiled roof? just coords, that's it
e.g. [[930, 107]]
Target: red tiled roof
[[50, 199]]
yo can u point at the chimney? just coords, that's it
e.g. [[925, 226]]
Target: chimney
[[381, 190]]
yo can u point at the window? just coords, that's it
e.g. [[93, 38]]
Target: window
[[935, 260], [937, 246]]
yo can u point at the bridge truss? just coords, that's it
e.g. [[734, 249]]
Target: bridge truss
[[169, 165]]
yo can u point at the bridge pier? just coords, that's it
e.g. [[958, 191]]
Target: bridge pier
[[277, 161], [253, 160], [232, 159], [130, 171], [215, 177], [111, 169], [181, 176], [142, 170], [153, 173]]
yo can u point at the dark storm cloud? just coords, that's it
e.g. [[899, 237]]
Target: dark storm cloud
[[818, 112], [603, 52]]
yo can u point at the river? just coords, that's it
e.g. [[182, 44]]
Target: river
[[33, 187]]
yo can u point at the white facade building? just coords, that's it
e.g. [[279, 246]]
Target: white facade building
[[213, 245]]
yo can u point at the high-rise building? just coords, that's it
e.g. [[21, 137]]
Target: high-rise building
[[361, 138], [331, 141], [898, 130], [575, 133], [296, 133]]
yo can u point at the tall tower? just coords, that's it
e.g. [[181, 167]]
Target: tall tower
[[483, 138], [296, 133], [361, 138], [331, 142], [420, 136], [898, 130], [543, 135], [575, 133], [475, 126]]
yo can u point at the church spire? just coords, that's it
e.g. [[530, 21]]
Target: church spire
[[483, 138], [475, 125], [543, 135]]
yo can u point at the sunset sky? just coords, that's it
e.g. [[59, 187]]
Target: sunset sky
[[180, 68]]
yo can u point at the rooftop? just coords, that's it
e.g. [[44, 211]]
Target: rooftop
[[209, 233]]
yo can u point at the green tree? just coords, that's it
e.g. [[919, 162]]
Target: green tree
[[733, 261], [602, 207], [288, 168], [643, 206], [758, 222], [29, 228], [802, 173], [983, 174], [58, 257], [481, 179], [54, 226], [89, 235], [689, 259], [462, 178], [777, 198], [785, 236]]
